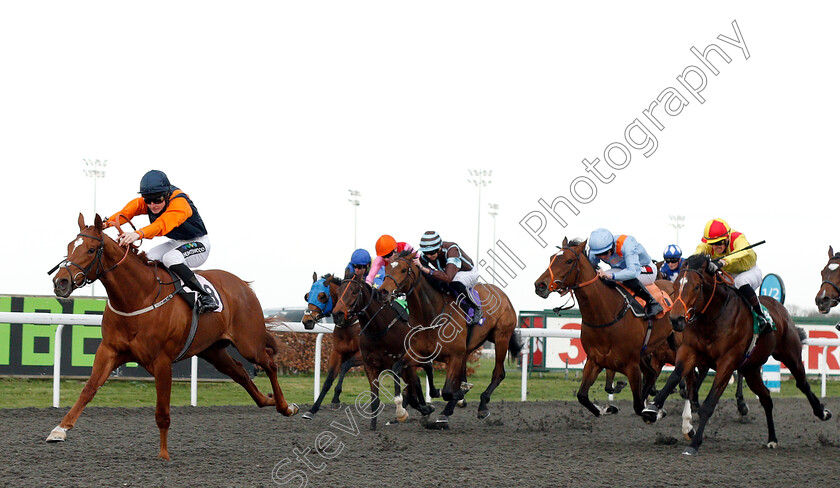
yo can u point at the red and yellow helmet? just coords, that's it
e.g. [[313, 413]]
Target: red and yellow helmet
[[716, 230], [385, 244]]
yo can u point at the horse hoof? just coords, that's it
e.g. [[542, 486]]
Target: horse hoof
[[826, 414], [743, 409], [650, 415], [690, 451], [483, 414], [435, 393], [402, 418], [689, 435], [292, 409], [611, 409], [307, 416], [428, 410], [772, 445], [442, 422], [461, 403], [58, 434], [335, 406]]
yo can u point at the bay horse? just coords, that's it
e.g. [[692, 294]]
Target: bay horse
[[717, 326], [382, 343], [612, 338], [443, 334], [145, 323], [829, 293], [345, 353]]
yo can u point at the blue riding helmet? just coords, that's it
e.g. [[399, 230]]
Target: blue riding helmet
[[360, 257], [673, 251], [600, 241], [317, 288], [155, 181]]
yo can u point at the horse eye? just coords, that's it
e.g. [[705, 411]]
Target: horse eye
[[91, 251], [569, 261]]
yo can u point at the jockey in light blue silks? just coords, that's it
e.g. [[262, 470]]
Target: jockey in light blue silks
[[629, 264]]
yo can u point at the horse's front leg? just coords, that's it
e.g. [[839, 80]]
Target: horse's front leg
[[105, 361], [333, 367], [428, 367], [163, 386], [590, 373], [347, 365], [722, 375], [654, 411]]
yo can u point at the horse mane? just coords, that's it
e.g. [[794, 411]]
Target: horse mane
[[696, 261], [405, 254], [576, 241], [330, 278]]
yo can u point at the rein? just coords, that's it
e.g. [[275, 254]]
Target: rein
[[560, 286], [690, 315]]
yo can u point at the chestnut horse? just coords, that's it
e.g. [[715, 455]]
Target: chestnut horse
[[720, 336], [382, 342], [829, 293], [612, 338], [144, 323], [345, 352], [443, 334]]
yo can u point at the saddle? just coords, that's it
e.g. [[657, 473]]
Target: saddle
[[637, 305]]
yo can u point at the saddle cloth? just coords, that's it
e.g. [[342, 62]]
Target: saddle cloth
[[637, 305], [189, 294]]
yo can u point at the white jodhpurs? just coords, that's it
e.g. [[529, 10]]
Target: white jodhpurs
[[192, 252], [750, 277], [468, 278]]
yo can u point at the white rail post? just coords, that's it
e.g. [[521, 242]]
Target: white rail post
[[823, 370], [428, 393], [194, 381], [525, 353], [57, 366], [317, 365]]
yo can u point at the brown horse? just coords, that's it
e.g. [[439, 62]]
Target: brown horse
[[146, 324], [721, 336], [345, 352], [611, 337], [829, 294], [444, 335], [382, 342]]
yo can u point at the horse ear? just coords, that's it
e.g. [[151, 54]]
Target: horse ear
[[830, 252], [306, 297], [583, 244], [565, 241], [97, 223], [322, 297], [81, 221], [314, 277]]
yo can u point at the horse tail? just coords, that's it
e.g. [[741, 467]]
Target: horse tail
[[802, 334], [514, 345]]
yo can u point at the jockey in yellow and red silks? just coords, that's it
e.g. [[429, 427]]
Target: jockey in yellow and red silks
[[721, 243]]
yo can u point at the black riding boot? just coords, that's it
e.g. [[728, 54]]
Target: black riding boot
[[652, 307], [747, 292], [206, 302], [464, 300]]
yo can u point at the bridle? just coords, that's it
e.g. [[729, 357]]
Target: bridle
[[559, 285], [691, 314], [85, 271], [410, 278], [354, 311]]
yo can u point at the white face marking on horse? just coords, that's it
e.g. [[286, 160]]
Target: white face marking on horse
[[683, 281], [78, 243], [833, 266], [394, 264]]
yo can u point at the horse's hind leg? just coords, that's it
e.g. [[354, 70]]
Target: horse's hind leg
[[498, 377], [222, 361], [724, 372], [754, 381], [743, 408], [793, 362], [590, 373], [105, 361]]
